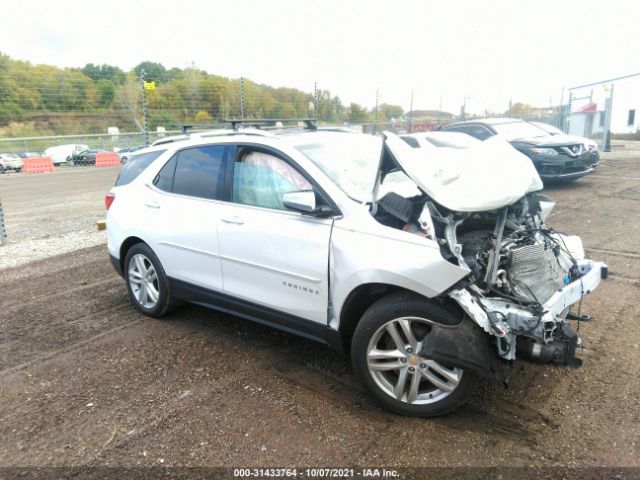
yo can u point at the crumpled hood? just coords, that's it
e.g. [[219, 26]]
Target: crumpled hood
[[486, 176]]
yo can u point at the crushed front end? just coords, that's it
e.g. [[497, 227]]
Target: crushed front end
[[524, 277]]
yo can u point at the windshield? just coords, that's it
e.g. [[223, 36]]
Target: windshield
[[513, 130], [452, 139], [350, 160]]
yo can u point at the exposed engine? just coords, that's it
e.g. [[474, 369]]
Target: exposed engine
[[517, 264]]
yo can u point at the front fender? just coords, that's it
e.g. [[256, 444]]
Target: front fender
[[404, 260]]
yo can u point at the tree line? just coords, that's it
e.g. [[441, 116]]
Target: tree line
[[180, 96]]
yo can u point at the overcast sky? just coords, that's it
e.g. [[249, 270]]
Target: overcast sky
[[488, 51]]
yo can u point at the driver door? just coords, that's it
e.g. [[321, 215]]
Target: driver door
[[271, 256]]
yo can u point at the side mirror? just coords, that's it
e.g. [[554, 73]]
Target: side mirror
[[304, 201]]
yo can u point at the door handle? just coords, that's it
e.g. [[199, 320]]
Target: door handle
[[152, 204], [236, 220]]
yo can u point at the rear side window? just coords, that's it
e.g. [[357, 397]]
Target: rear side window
[[200, 172], [135, 166], [164, 178]]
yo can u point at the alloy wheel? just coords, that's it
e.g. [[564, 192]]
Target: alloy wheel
[[143, 280], [398, 368]]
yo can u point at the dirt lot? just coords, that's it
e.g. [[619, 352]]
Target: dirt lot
[[86, 380]]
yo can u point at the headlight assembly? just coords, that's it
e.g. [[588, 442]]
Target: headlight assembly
[[543, 151]]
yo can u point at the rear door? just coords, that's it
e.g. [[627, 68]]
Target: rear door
[[272, 256], [183, 206]]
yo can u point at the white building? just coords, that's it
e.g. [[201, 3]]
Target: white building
[[588, 104]]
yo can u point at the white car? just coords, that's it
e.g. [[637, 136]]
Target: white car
[[439, 139], [428, 293], [9, 161], [60, 153]]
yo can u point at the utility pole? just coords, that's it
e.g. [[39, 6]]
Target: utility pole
[[3, 232], [562, 125], [463, 108], [316, 101], [241, 98], [145, 128], [376, 111], [411, 112], [606, 134]]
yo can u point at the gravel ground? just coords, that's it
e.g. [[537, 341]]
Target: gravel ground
[[49, 214], [86, 380]]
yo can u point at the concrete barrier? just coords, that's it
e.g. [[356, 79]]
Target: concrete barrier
[[108, 159], [37, 165]]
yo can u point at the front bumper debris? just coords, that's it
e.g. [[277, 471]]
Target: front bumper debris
[[506, 321]]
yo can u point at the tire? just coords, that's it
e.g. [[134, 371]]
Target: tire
[[71, 162], [142, 289], [2, 169], [372, 356]]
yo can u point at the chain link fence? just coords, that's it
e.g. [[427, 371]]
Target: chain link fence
[[103, 142]]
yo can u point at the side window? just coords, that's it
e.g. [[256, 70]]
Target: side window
[[199, 172], [261, 179], [164, 178], [479, 132], [135, 166], [456, 128]]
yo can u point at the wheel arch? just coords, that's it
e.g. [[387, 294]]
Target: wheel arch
[[126, 245], [365, 295]]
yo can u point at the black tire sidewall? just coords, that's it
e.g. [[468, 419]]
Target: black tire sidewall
[[405, 305], [164, 288]]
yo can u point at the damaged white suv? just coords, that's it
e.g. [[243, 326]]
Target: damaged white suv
[[432, 271]]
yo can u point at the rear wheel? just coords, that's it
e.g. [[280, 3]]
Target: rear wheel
[[147, 282], [386, 357]]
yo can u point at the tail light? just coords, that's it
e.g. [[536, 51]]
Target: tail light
[[108, 199]]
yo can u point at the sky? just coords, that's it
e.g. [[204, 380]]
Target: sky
[[489, 52]]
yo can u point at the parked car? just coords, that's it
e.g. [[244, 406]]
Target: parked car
[[8, 161], [556, 157], [84, 157], [61, 153], [427, 293], [439, 139], [126, 153], [28, 154], [589, 144]]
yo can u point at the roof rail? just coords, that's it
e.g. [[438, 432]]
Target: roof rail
[[201, 126], [213, 133], [310, 123]]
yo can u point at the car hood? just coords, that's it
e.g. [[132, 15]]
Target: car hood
[[551, 140], [486, 176]]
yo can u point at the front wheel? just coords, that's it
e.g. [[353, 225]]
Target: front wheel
[[71, 162], [386, 356]]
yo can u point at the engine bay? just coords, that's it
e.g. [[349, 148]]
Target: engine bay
[[520, 275]]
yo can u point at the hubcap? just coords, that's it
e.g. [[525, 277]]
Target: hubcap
[[143, 280], [398, 368]]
